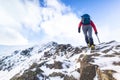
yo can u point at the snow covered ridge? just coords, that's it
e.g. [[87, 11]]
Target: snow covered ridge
[[53, 61]]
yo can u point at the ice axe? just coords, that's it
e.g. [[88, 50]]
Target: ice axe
[[98, 38]]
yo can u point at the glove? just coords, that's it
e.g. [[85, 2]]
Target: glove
[[96, 33], [78, 30]]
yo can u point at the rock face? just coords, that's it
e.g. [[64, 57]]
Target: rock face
[[105, 75], [53, 61], [87, 70]]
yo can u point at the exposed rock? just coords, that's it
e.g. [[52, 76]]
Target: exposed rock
[[54, 74], [42, 63], [87, 70], [107, 50], [16, 51], [105, 75], [116, 63], [83, 48], [47, 54], [34, 65], [78, 70], [4, 66], [27, 75], [111, 55], [87, 58], [81, 56], [50, 66], [95, 54], [104, 47], [111, 42], [56, 65], [26, 52], [117, 47], [62, 60], [69, 77], [77, 50], [90, 70], [62, 47], [65, 77], [117, 53]]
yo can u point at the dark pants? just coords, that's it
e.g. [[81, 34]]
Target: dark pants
[[87, 30]]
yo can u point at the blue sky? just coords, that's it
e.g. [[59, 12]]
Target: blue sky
[[26, 22], [98, 9]]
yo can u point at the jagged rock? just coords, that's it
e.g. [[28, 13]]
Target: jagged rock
[[117, 47], [61, 47], [65, 77], [28, 75], [87, 58], [16, 51], [54, 74], [50, 66], [90, 70], [116, 63], [110, 55], [87, 70], [107, 50], [4, 66], [104, 47], [111, 42], [69, 77], [26, 52], [47, 54], [116, 53], [34, 65], [105, 74], [78, 70], [62, 61], [83, 48], [56, 65], [77, 50], [95, 54], [42, 63]]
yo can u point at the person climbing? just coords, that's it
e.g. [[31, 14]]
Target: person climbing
[[87, 25]]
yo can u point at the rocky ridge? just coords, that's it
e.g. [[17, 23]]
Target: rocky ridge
[[53, 61]]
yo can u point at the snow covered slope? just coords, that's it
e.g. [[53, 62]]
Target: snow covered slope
[[53, 61]]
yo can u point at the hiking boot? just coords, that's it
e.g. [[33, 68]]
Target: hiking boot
[[88, 45], [92, 47]]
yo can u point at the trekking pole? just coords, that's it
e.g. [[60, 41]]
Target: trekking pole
[[98, 38]]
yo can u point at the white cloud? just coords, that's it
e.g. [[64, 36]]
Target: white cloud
[[59, 26], [10, 36], [56, 20], [13, 15]]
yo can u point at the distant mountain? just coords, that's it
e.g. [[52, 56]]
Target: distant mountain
[[53, 61]]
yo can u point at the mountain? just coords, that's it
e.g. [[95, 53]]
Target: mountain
[[54, 61]]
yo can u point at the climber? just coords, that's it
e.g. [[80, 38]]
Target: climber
[[87, 25]]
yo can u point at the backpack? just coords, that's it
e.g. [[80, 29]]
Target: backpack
[[85, 19]]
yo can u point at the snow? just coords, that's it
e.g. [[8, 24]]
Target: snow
[[117, 76], [56, 78], [76, 75], [23, 62], [7, 50]]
